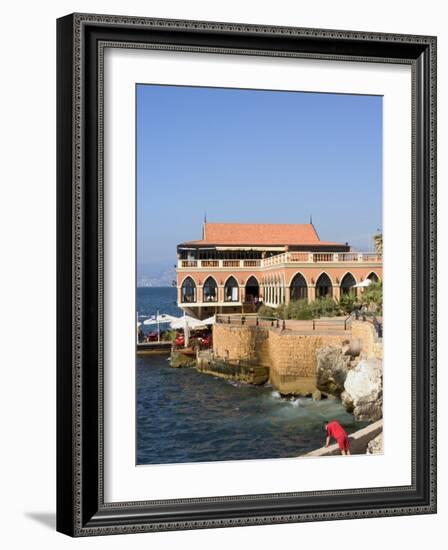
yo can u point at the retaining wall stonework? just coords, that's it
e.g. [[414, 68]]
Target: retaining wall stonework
[[291, 358], [371, 345]]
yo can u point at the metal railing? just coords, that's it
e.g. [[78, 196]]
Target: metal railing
[[295, 325]]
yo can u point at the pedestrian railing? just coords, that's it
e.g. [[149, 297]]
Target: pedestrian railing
[[311, 325]]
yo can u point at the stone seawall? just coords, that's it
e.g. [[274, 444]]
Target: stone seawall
[[291, 358], [371, 345]]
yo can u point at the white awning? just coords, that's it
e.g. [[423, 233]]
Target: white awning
[[209, 321], [363, 284], [163, 318], [186, 321]]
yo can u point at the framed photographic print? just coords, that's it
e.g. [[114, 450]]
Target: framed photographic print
[[246, 274]]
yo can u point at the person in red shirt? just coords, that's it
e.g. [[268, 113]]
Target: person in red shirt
[[335, 430]]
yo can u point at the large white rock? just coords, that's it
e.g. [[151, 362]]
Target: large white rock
[[364, 390]]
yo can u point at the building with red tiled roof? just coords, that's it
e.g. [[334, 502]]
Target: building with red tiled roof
[[236, 266], [262, 234]]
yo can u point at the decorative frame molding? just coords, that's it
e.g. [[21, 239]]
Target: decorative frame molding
[[81, 510]]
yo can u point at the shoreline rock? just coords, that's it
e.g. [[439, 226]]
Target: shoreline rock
[[363, 390], [375, 446], [333, 366]]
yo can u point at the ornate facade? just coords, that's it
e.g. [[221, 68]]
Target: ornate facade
[[235, 266]]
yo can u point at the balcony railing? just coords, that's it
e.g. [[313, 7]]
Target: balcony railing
[[287, 258], [321, 257], [219, 263]]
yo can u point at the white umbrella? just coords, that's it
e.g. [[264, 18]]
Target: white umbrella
[[186, 321], [163, 318], [209, 321], [363, 284]]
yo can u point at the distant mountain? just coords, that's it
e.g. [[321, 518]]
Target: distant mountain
[[150, 277]]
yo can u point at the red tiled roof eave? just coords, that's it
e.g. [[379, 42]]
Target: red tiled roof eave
[[240, 234]]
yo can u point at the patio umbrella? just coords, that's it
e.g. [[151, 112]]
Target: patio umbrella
[[209, 321], [186, 321], [363, 284], [162, 318]]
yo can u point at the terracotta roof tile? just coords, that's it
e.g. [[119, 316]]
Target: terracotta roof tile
[[259, 234]]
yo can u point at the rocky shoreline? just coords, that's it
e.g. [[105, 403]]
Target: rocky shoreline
[[343, 372], [356, 381]]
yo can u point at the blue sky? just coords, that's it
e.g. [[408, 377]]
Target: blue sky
[[254, 156]]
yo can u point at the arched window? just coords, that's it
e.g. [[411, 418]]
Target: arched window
[[324, 287], [231, 291], [188, 291], [210, 290], [347, 284], [373, 277], [252, 289], [298, 288]]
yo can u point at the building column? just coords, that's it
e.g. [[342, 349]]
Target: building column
[[220, 293], [199, 293], [311, 293], [242, 291], [287, 295], [337, 292], [179, 294]]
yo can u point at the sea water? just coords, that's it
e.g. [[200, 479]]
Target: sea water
[[187, 416]]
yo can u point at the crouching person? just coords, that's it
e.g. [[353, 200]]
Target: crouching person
[[336, 431]]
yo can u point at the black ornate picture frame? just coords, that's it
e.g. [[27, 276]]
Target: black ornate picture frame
[[81, 509]]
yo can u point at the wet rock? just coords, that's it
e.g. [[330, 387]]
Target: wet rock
[[179, 360], [317, 395], [364, 390], [347, 401], [332, 368], [352, 347]]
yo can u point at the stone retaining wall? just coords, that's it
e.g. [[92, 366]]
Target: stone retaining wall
[[291, 358], [371, 345]]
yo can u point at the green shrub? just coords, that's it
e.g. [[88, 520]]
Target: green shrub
[[348, 302], [169, 335], [302, 310], [266, 311], [372, 297]]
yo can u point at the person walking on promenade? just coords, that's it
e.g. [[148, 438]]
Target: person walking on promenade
[[335, 430]]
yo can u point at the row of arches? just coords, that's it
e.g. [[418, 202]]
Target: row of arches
[[324, 286], [210, 290], [274, 292]]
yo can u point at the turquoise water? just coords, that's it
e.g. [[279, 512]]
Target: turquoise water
[[185, 416]]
